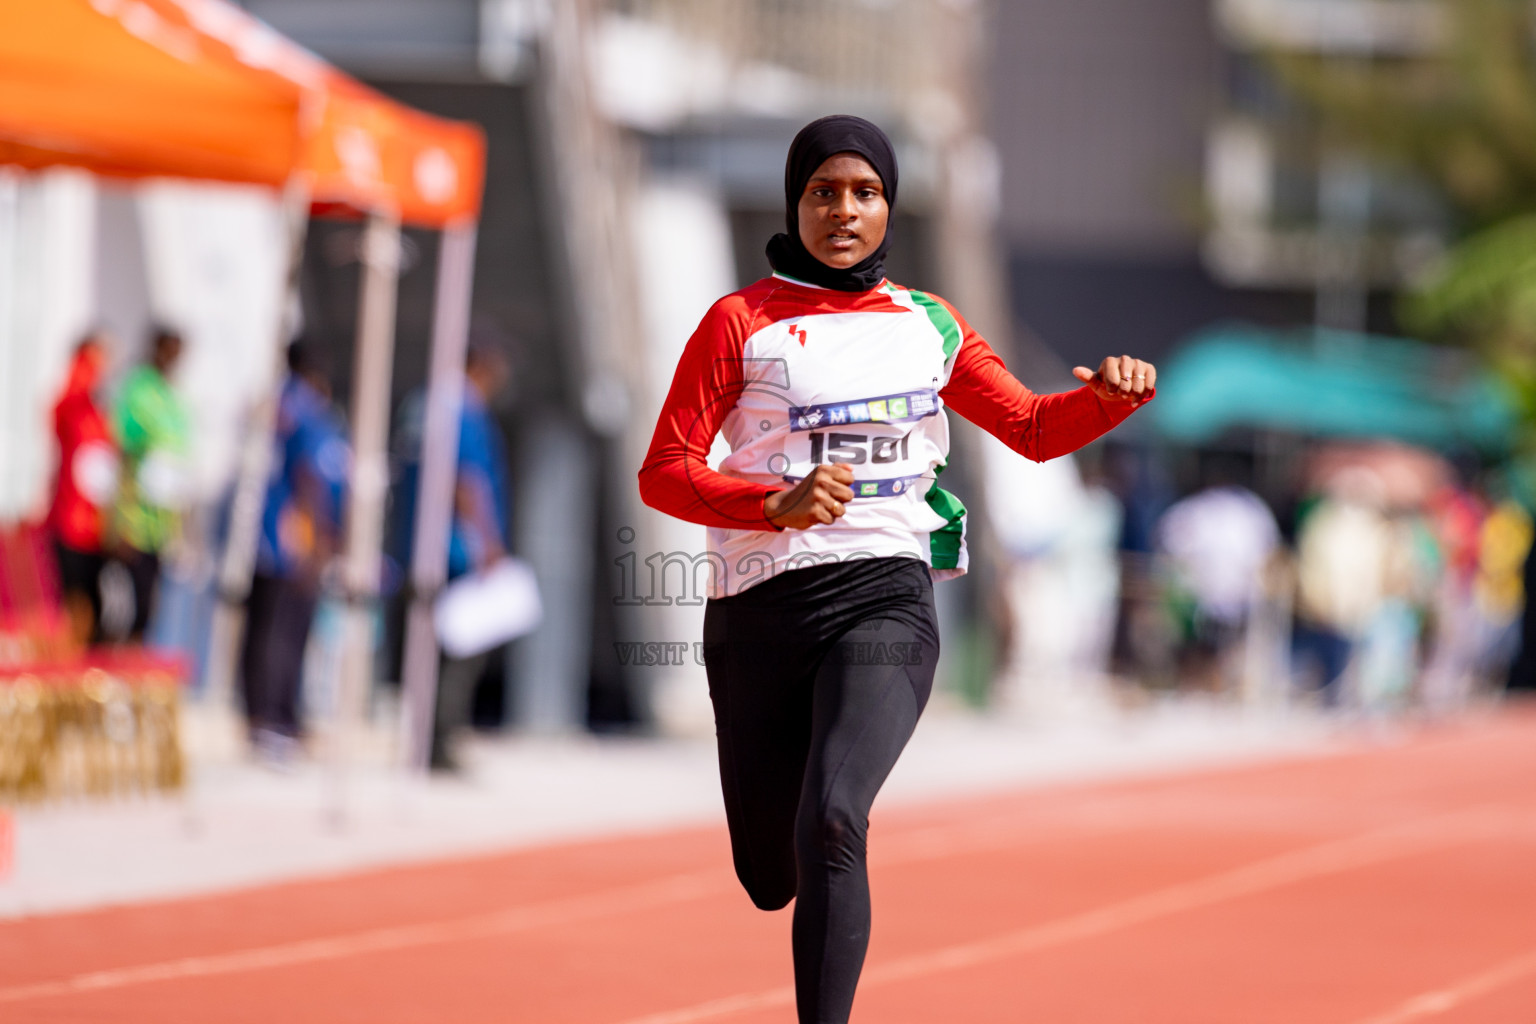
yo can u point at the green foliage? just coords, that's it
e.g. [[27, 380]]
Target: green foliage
[[1464, 119], [1485, 294]]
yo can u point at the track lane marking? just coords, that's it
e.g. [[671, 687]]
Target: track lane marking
[[905, 847], [1377, 847], [700, 884], [915, 845], [1438, 1001], [628, 899]]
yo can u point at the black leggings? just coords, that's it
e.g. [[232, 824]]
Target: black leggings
[[278, 615], [144, 572], [818, 677]]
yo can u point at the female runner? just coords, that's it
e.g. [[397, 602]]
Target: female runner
[[827, 526]]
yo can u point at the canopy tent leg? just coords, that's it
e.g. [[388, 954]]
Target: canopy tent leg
[[238, 563], [372, 367], [435, 489]]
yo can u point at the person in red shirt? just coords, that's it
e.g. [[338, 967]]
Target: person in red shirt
[[827, 525], [83, 487]]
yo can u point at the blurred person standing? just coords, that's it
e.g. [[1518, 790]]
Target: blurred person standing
[[1389, 657], [83, 488], [150, 422], [1218, 542], [1060, 582], [1499, 590], [478, 535], [301, 524], [1456, 515], [1143, 644], [1521, 677], [1343, 560]]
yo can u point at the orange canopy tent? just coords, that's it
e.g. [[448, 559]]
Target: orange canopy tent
[[200, 89]]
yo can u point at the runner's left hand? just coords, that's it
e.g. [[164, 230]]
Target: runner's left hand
[[1119, 378]]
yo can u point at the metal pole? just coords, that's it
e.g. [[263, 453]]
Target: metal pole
[[10, 246], [434, 492], [589, 179], [372, 364], [239, 559]]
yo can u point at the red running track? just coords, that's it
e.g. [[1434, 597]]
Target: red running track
[[1391, 884]]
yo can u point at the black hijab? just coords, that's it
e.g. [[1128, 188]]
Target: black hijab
[[823, 138]]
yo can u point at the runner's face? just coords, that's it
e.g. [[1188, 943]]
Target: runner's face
[[843, 211]]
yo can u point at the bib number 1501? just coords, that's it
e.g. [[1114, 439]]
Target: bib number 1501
[[857, 449]]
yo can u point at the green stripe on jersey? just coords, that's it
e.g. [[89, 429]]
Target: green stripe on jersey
[[942, 319], [945, 542]]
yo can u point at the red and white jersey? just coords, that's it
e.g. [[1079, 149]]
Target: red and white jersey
[[793, 376]]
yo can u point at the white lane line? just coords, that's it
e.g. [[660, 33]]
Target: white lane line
[[1372, 848], [929, 843], [650, 895], [628, 899], [943, 842], [1432, 1004], [905, 847]]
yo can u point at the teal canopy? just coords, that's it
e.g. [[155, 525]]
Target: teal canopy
[[1329, 383]]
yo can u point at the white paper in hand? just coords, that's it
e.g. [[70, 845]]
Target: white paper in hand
[[481, 610]]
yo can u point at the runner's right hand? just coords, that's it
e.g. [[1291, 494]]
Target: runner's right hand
[[819, 498]]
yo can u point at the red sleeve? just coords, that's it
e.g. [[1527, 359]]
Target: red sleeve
[[675, 478], [1039, 427]]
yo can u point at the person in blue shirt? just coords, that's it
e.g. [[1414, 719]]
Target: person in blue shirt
[[478, 536], [301, 526]]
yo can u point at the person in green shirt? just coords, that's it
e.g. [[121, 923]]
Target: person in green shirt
[[151, 426]]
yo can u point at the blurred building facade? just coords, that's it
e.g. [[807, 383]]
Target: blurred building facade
[[1157, 177], [1082, 179], [1290, 207], [635, 174]]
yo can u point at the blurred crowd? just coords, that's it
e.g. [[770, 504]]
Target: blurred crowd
[[1373, 576], [81, 587], [119, 489]]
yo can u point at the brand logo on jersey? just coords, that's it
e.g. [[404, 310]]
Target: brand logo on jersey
[[903, 408], [798, 334]]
